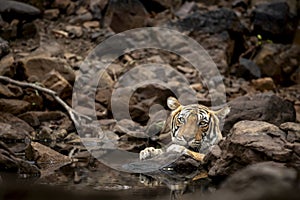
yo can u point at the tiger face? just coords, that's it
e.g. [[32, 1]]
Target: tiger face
[[195, 126]]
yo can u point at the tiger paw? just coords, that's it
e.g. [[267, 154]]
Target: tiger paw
[[149, 152]]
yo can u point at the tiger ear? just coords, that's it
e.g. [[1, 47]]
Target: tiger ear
[[173, 103], [221, 114]]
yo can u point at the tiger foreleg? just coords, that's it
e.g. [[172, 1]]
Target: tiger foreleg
[[150, 152], [183, 150]]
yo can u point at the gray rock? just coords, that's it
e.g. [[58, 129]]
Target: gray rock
[[262, 177], [215, 21], [267, 180], [262, 107], [10, 10], [274, 21], [251, 142], [218, 31], [293, 131], [278, 61], [4, 48]]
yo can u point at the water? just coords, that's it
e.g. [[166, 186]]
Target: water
[[97, 181]]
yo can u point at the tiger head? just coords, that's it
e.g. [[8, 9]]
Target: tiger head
[[195, 126]]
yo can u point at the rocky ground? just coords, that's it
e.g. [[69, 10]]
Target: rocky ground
[[254, 43]]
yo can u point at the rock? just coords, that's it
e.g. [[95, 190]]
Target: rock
[[46, 158], [6, 66], [159, 6], [27, 30], [97, 7], [10, 10], [56, 82], [13, 129], [240, 3], [4, 48], [14, 106], [215, 21], [250, 142], [185, 9], [264, 84], [267, 180], [9, 133], [131, 128], [247, 69], [278, 61], [262, 176], [74, 31], [295, 77], [219, 31], [15, 122], [274, 21], [293, 131], [119, 15], [35, 118], [91, 24], [62, 4], [35, 99], [51, 14], [8, 161], [10, 91], [39, 66], [263, 107], [79, 19]]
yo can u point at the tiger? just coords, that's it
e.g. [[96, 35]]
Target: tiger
[[194, 130]]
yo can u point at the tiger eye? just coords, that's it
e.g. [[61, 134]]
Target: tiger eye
[[203, 123], [180, 119]]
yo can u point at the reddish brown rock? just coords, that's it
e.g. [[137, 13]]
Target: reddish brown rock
[[39, 66], [14, 106], [56, 82]]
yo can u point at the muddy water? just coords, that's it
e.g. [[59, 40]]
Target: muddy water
[[93, 180]]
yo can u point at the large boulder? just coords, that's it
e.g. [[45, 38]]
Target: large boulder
[[281, 62], [251, 142], [262, 107], [219, 31], [274, 21], [267, 180]]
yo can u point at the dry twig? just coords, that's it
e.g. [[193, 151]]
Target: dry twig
[[74, 115]]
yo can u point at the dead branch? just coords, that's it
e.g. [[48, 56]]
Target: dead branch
[[74, 115]]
